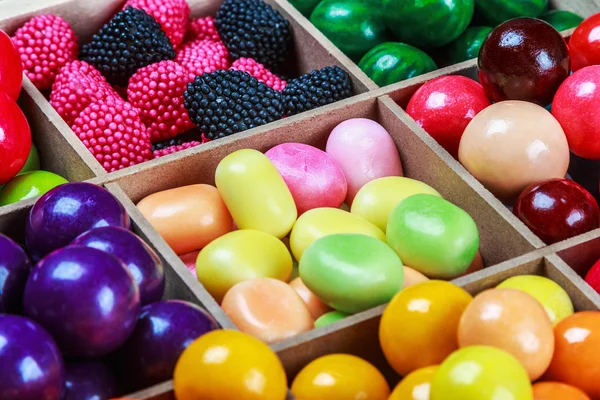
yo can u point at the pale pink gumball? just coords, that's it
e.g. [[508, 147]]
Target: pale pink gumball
[[189, 260], [314, 178], [314, 304], [365, 151]]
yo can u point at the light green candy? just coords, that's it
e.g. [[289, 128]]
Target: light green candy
[[351, 272], [33, 161], [28, 185], [433, 236], [329, 318]]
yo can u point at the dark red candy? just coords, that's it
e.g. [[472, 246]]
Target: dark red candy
[[584, 45], [523, 59], [557, 209], [444, 107]]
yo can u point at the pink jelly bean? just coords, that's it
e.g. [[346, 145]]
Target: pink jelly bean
[[365, 151], [313, 177], [189, 260]]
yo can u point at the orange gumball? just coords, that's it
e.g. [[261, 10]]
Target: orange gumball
[[576, 358], [314, 304], [418, 328], [267, 309], [513, 321], [557, 391], [188, 217]]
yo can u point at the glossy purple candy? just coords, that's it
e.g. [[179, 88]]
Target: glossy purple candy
[[66, 212], [163, 331], [142, 261], [31, 367], [89, 380], [14, 270], [86, 298]]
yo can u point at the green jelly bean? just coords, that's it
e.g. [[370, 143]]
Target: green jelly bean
[[28, 185], [329, 318], [433, 236], [351, 272]]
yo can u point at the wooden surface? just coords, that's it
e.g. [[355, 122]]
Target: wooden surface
[[507, 246]]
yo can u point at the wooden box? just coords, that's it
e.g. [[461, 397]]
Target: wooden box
[[507, 246]]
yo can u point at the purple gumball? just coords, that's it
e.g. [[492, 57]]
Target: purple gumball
[[89, 380], [86, 298], [31, 367], [66, 212], [164, 329], [14, 270], [142, 261]]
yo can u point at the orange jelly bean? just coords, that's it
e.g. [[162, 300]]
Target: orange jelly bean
[[419, 327], [314, 304], [576, 358], [267, 309], [340, 377], [557, 391], [187, 217], [416, 385], [229, 365], [412, 277]]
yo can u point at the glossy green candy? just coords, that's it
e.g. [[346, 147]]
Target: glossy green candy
[[351, 273], [427, 23], [433, 236], [562, 20], [393, 62], [33, 161], [468, 44], [305, 7], [354, 26], [28, 185], [495, 12], [329, 318]]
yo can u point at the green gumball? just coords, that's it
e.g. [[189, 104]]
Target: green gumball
[[33, 161], [351, 272], [329, 318], [354, 26], [305, 7], [495, 12], [433, 236], [28, 185], [391, 62], [468, 44], [562, 20], [427, 23]]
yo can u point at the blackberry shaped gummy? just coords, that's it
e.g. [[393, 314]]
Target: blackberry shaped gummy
[[132, 39], [316, 89], [253, 29], [222, 103]]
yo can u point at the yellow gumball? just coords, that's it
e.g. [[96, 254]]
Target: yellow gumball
[[340, 377], [320, 222], [481, 373], [553, 298], [416, 385], [240, 256], [419, 327], [255, 194], [229, 365], [377, 199]]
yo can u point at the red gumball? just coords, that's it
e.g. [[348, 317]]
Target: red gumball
[[11, 68], [557, 209], [15, 139], [575, 106], [584, 46], [593, 277], [444, 107]]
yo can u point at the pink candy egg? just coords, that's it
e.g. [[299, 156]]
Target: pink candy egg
[[313, 177], [365, 151], [189, 259]]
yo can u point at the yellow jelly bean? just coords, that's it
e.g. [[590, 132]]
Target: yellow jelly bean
[[377, 199], [416, 385], [240, 256], [255, 194], [319, 222]]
